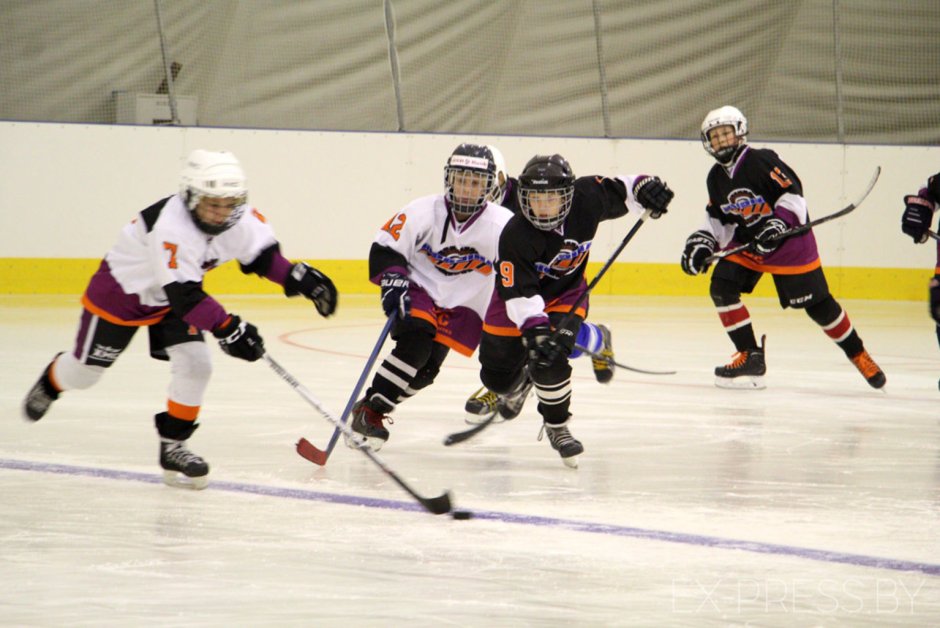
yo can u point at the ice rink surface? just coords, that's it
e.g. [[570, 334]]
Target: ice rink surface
[[814, 502]]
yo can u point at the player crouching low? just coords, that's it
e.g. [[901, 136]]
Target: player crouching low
[[153, 277]]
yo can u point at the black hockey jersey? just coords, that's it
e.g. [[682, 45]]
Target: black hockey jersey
[[756, 186], [537, 267]]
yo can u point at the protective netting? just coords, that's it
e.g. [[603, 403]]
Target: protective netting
[[857, 71]]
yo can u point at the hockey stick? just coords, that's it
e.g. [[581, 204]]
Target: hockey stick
[[933, 235], [598, 356], [459, 437], [714, 257], [319, 456], [435, 505]]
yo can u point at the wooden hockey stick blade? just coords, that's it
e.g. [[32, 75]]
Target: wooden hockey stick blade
[[598, 356], [714, 257], [459, 437], [309, 451]]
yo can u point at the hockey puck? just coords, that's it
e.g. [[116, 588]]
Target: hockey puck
[[462, 514]]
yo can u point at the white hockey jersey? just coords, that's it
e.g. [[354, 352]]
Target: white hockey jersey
[[454, 263], [163, 245]]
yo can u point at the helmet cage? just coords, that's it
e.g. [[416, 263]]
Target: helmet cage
[[470, 166], [546, 175], [213, 175], [724, 116]]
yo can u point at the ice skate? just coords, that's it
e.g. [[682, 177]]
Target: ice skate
[[481, 406], [567, 446], [604, 369], [746, 370], [510, 405], [869, 369], [368, 424], [40, 396], [181, 467]]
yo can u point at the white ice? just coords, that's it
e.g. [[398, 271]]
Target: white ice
[[812, 503]]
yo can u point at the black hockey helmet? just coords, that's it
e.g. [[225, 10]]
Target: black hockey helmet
[[546, 190], [468, 178]]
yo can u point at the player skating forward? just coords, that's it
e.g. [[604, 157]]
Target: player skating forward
[[434, 260], [753, 196], [595, 338], [915, 221], [152, 277], [543, 252]]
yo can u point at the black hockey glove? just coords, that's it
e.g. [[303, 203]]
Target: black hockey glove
[[543, 349], [917, 216], [935, 299], [653, 194], [767, 235], [395, 294], [314, 285], [239, 339], [698, 247]]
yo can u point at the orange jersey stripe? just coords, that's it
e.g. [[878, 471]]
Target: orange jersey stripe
[[775, 270], [111, 318]]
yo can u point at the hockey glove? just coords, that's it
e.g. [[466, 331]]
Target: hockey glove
[[239, 339], [314, 285], [395, 294], [917, 216], [653, 194], [767, 236], [698, 247], [935, 299], [544, 350]]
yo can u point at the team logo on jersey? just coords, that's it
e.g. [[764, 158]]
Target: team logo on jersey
[[568, 259], [457, 261], [749, 206]]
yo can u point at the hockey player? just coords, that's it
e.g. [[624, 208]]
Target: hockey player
[[152, 278], [434, 261], [753, 197], [595, 338], [543, 252], [915, 221]]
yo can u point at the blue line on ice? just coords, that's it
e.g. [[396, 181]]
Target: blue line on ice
[[860, 560]]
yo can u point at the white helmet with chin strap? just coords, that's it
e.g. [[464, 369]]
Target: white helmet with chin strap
[[501, 178], [724, 116], [213, 174]]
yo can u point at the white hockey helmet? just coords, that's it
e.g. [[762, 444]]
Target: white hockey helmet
[[724, 116], [213, 174], [501, 179]]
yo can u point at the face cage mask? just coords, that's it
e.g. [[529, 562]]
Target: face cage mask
[[468, 209], [566, 196], [723, 155], [192, 201]]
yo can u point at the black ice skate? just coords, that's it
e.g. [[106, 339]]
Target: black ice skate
[[567, 446], [745, 371], [510, 405], [40, 396], [367, 422], [181, 467], [604, 369], [481, 406], [869, 369]]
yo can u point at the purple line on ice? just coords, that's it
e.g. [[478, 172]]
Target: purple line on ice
[[860, 560]]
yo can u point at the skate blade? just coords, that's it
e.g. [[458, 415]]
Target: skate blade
[[178, 480], [744, 382], [571, 462]]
